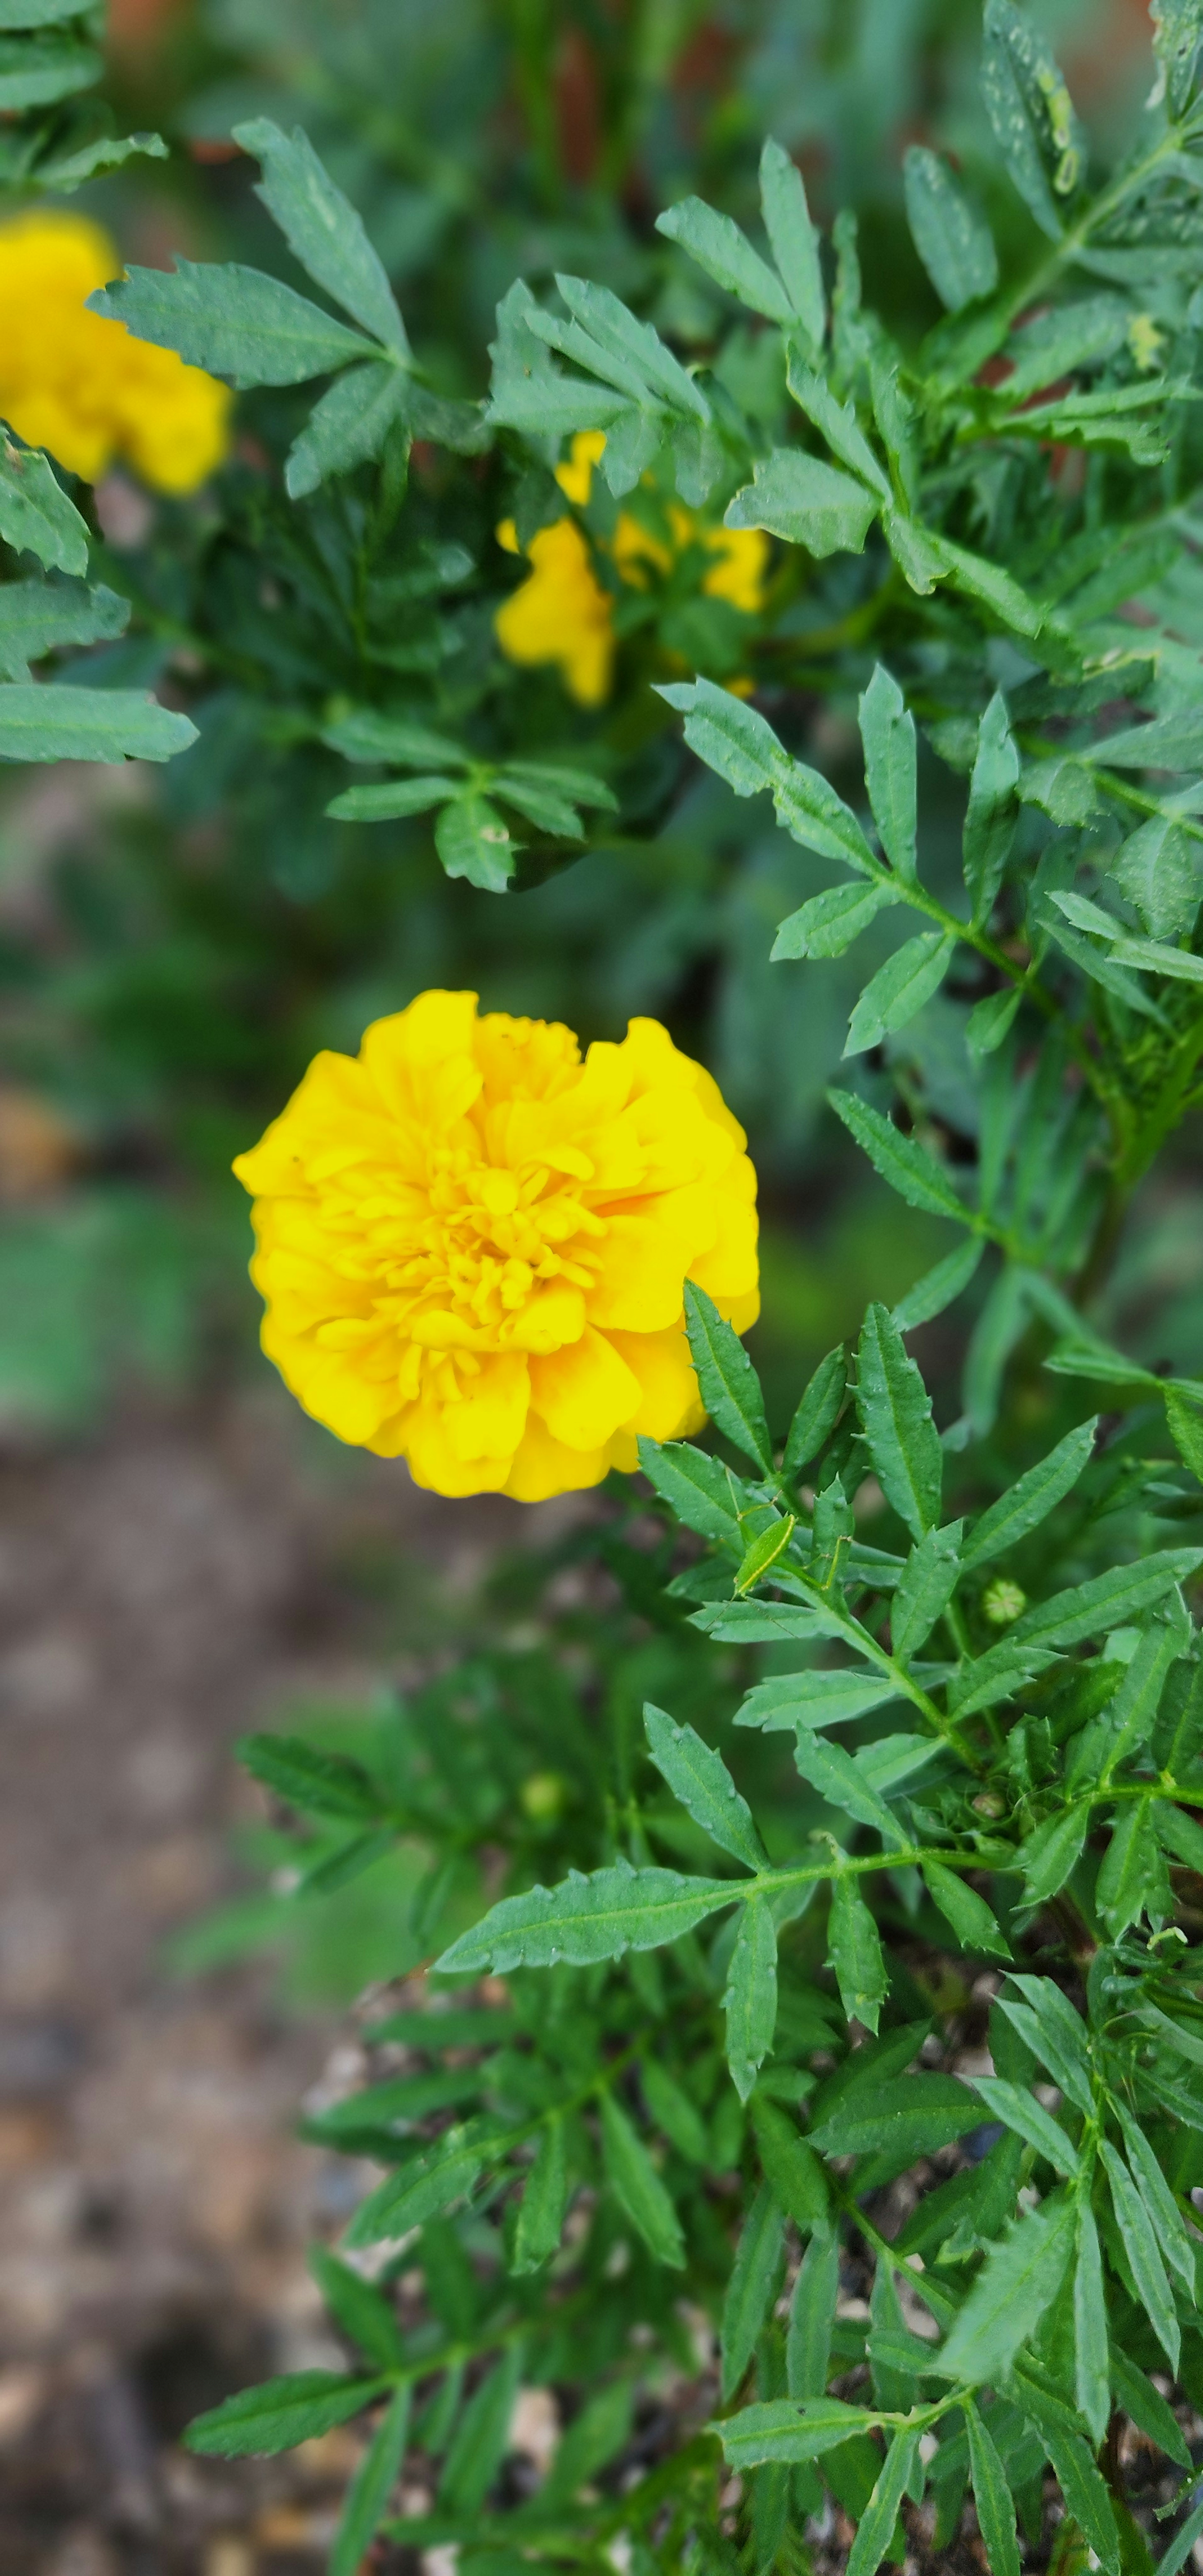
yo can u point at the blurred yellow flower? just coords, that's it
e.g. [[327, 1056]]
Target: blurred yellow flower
[[80, 385], [562, 614], [473, 1246]]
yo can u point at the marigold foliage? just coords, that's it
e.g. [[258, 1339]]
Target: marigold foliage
[[82, 386], [473, 1245]]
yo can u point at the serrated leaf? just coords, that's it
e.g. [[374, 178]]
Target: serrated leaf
[[473, 840], [1143, 2252], [586, 1919], [900, 989], [1177, 35], [1185, 1423], [993, 808], [1108, 1600], [719, 247], [855, 1953], [39, 617], [818, 1412], [673, 2111], [836, 421], [696, 1488], [699, 1777], [996, 1675], [371, 2487], [322, 228], [1030, 1500], [875, 2530], [482, 2438], [1086, 2495], [233, 321], [1147, 2408], [1023, 90], [1021, 2112], [762, 1553], [896, 1417], [1018, 2281], [950, 233], [592, 2440], [727, 1381], [637, 2185], [88, 724], [812, 2316], [752, 2287], [993, 2498], [806, 502], [901, 1162], [765, 1623], [974, 1922], [812, 1698], [929, 1579], [990, 1020], [750, 2000], [794, 240], [366, 734], [362, 2310], [780, 2430], [1049, 2026], [346, 428], [1051, 1853], [888, 734], [320, 1783], [1091, 2381], [36, 70], [940, 1286], [792, 2168], [1132, 1880], [904, 2116], [544, 2199], [280, 2413], [826, 924], [387, 800], [36, 516], [1177, 2246], [421, 2190], [843, 1781]]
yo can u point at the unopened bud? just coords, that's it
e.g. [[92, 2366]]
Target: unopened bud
[[1003, 1601]]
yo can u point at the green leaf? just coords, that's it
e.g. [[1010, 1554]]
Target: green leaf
[[950, 233], [1132, 1880], [68, 170], [990, 1020], [1108, 1600], [1017, 2282], [844, 1781], [371, 2487], [900, 988], [87, 724], [727, 1381], [233, 321], [585, 1919], [1021, 2112], [855, 1953], [896, 1416], [36, 516], [838, 424], [795, 243], [974, 1922], [765, 1623], [780, 2430], [1175, 2557], [752, 2287], [1090, 2329], [1176, 2244], [762, 1552], [544, 2199], [37, 70], [365, 734], [939, 1286], [592, 2440], [901, 1162], [993, 2498], [1031, 112], [421, 2190], [482, 2438], [818, 1412], [826, 924], [1185, 1424], [362, 2311], [637, 2185], [806, 502], [1147, 2408], [320, 1783], [904, 2117], [1177, 34], [37, 13], [812, 2316], [996, 1675], [699, 1777], [1049, 2026], [474, 841], [697, 1489], [993, 808], [719, 247], [1032, 1498], [1085, 2493], [386, 800], [1144, 2254], [322, 228], [929, 1579], [347, 427], [672, 2111], [750, 2001], [280, 2413], [815, 1697], [529, 393], [875, 2530], [1052, 1852], [888, 734], [38, 617], [1158, 868]]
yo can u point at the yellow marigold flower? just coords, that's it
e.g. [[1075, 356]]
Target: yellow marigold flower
[[473, 1246], [80, 385], [562, 614]]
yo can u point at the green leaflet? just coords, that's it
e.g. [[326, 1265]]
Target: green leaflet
[[348, 426], [750, 2001], [815, 1698], [794, 239], [805, 501], [1090, 2328], [36, 516], [474, 841], [88, 724], [896, 1417], [371, 2487], [1133, 1878], [780, 2430], [993, 2498], [38, 617], [951, 235], [727, 256], [362, 2310], [699, 1777], [1030, 1500], [826, 924], [846, 1783], [1051, 1852], [993, 809], [1108, 1600], [1143, 2252], [672, 2111], [888, 734], [973, 1921], [697, 1489], [899, 1160], [939, 1286], [1029, 2119], [817, 1414], [752, 2287], [1020, 2277], [320, 1783], [481, 2438], [899, 989], [585, 1919], [233, 321], [791, 2166], [1031, 112], [637, 2185], [875, 2530], [855, 1953], [280, 2413], [904, 2116], [322, 228], [544, 2200], [1169, 2227], [928, 1581], [812, 2316], [36, 70], [727, 1381]]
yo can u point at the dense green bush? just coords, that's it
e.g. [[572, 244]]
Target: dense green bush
[[711, 2145]]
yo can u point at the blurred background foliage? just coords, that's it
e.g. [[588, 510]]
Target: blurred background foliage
[[174, 948]]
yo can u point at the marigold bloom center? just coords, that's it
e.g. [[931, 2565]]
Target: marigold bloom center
[[473, 1245]]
